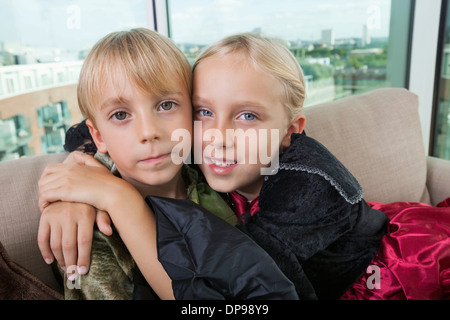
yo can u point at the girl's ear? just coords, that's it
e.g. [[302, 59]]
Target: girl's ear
[[97, 137], [297, 125]]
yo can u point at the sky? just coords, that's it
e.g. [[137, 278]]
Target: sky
[[78, 24], [69, 24], [207, 21]]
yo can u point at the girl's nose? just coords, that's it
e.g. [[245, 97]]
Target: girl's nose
[[223, 136]]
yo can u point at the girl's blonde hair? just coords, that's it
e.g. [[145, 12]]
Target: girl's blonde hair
[[270, 55], [149, 60]]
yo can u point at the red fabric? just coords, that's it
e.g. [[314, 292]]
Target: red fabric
[[242, 206], [414, 257]]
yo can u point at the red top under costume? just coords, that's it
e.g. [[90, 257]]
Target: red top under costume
[[242, 207]]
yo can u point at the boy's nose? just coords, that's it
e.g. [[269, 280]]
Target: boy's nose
[[147, 129]]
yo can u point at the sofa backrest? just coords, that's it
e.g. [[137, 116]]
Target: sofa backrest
[[378, 137], [20, 214]]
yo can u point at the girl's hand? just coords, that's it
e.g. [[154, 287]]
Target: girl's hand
[[89, 183], [78, 157]]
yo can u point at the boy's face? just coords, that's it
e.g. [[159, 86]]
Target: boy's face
[[229, 93], [135, 128]]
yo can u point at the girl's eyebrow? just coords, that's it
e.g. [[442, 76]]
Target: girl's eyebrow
[[253, 104], [199, 100]]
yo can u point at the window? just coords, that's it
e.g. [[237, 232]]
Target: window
[[344, 46], [55, 120], [15, 135], [441, 136]]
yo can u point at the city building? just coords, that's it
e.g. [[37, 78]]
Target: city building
[[38, 104], [328, 37]]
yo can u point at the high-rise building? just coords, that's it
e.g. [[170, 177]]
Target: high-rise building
[[328, 37], [366, 38]]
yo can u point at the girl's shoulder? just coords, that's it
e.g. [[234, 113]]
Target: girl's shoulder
[[307, 156]]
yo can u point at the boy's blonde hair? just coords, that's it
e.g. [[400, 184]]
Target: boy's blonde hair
[[149, 60], [270, 55]]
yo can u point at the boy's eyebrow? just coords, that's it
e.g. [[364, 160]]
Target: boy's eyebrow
[[123, 101], [112, 101]]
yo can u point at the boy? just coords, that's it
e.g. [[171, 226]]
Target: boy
[[134, 89]]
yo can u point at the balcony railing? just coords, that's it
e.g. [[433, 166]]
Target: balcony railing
[[19, 79]]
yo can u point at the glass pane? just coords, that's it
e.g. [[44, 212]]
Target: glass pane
[[344, 46], [442, 116], [42, 46]]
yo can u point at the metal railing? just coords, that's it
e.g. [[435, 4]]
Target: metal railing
[[20, 79]]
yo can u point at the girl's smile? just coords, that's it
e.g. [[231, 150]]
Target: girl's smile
[[221, 166]]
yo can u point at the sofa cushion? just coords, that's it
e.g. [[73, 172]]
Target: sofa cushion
[[16, 283], [378, 137], [20, 214]]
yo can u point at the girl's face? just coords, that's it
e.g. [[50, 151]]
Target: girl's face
[[135, 128], [230, 93]]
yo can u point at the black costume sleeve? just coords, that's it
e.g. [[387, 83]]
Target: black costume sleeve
[[207, 258]]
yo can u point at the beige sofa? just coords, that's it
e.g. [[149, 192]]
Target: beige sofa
[[377, 135]]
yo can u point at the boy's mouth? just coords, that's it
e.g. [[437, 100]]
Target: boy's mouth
[[155, 159]]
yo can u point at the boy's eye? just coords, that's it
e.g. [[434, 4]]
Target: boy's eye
[[120, 115], [247, 116], [166, 106]]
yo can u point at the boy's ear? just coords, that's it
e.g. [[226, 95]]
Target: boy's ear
[[97, 137], [297, 125]]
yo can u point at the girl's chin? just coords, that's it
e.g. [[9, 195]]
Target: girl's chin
[[217, 186]]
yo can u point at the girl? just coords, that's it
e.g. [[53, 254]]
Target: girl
[[310, 216], [134, 89]]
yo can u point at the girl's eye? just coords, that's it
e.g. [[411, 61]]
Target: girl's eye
[[205, 113], [166, 106], [120, 115], [247, 116]]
